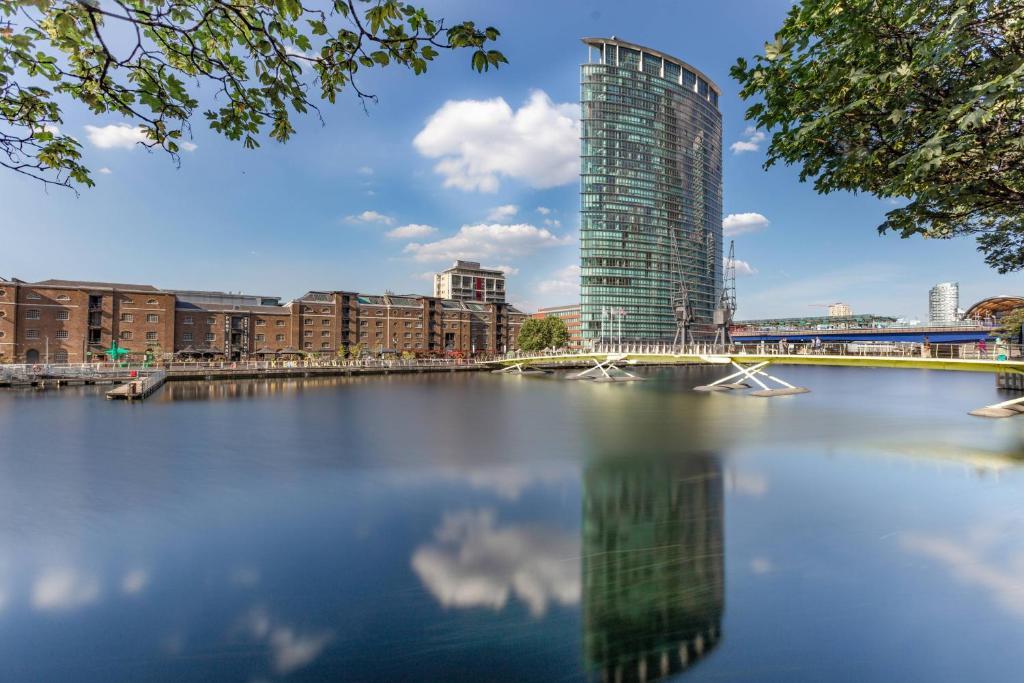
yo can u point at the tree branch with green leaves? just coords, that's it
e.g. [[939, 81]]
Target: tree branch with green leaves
[[146, 61], [921, 101]]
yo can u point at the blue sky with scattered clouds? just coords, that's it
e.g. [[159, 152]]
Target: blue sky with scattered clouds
[[456, 164]]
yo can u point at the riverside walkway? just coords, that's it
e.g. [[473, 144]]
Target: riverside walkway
[[138, 381], [750, 364]]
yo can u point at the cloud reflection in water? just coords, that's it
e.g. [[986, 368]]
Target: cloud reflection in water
[[64, 588], [475, 563]]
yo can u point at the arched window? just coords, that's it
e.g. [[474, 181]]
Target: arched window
[[32, 356], [60, 357]]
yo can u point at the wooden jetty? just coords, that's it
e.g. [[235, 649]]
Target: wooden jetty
[[140, 388]]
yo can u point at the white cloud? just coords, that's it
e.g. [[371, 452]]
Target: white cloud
[[752, 143], [59, 589], [503, 212], [478, 142], [507, 482], [303, 62], [543, 210], [105, 171], [189, 146], [290, 650], [552, 222], [475, 563], [761, 565], [371, 217], [293, 650], [134, 581], [742, 267], [743, 223], [487, 242], [115, 136], [364, 170], [508, 270], [410, 231], [976, 562], [565, 282]]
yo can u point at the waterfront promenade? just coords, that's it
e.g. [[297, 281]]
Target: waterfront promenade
[[56, 375]]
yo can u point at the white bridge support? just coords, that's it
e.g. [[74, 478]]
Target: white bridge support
[[521, 369], [607, 371], [1009, 408], [751, 373]]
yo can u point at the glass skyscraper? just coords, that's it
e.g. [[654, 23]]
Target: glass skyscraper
[[651, 193]]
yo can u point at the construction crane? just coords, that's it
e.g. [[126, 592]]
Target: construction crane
[[727, 302], [681, 307]]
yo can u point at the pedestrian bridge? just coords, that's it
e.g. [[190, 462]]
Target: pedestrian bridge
[[750, 367]]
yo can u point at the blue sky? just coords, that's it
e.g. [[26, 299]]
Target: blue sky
[[316, 213]]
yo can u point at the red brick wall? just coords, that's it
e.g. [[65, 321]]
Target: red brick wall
[[8, 321], [42, 332]]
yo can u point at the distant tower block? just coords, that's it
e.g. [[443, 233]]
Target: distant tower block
[[944, 302], [839, 310]]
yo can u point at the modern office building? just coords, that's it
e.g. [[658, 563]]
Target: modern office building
[[570, 315], [61, 321], [944, 302], [839, 310], [467, 281], [651, 185]]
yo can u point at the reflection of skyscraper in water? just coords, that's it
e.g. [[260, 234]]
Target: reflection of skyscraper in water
[[653, 575]]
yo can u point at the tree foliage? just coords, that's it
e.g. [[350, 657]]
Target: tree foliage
[[915, 99], [543, 333], [146, 61], [1010, 324]]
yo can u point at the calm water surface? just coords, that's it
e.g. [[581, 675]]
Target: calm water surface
[[499, 528]]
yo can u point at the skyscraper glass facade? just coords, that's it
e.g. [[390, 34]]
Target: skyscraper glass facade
[[651, 186]]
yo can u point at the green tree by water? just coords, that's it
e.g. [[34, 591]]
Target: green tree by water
[[543, 333], [1011, 323], [916, 100], [147, 59]]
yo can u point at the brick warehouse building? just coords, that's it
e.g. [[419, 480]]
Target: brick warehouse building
[[570, 315], [74, 321]]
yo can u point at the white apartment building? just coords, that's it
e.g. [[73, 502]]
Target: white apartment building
[[944, 302], [467, 281], [839, 310]]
